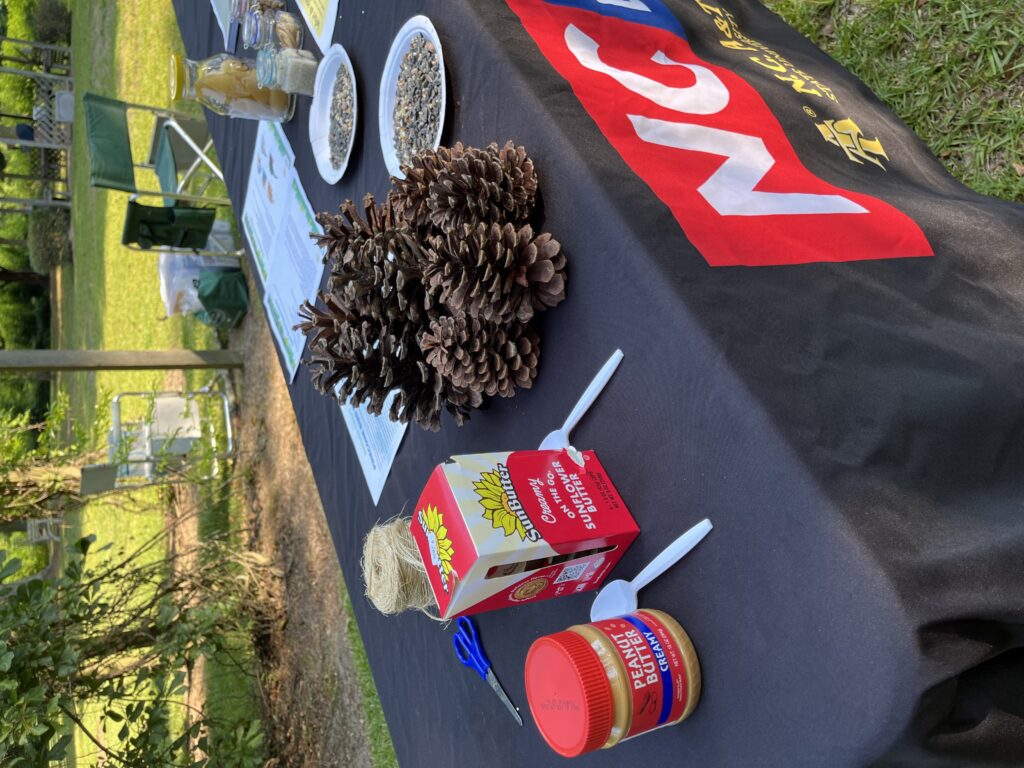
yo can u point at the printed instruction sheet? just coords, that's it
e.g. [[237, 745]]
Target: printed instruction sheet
[[320, 16], [376, 440], [277, 220]]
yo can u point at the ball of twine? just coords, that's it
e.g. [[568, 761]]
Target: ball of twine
[[393, 572]]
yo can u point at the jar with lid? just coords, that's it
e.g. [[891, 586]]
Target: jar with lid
[[238, 9], [265, 29], [293, 71], [227, 85], [597, 684]]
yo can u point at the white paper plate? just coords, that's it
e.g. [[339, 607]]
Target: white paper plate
[[417, 25], [320, 113]]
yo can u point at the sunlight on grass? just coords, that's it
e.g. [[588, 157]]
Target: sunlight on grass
[[111, 297], [381, 749], [953, 70]]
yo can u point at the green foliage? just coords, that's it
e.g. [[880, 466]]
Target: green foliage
[[33, 557], [24, 324], [38, 461], [382, 750], [108, 648], [52, 22], [24, 317], [49, 242], [952, 69]]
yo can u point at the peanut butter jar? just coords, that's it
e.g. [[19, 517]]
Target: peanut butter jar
[[597, 684]]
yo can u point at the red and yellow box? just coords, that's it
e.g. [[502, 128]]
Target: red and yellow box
[[499, 529]]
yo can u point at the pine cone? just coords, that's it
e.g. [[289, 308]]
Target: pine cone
[[482, 357], [466, 186], [409, 195], [495, 273], [376, 262]]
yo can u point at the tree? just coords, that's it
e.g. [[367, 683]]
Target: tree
[[121, 636], [23, 277], [39, 469]]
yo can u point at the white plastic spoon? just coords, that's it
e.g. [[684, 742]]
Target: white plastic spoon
[[560, 437], [618, 597]]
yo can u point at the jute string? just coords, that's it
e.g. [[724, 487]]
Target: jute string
[[395, 577]]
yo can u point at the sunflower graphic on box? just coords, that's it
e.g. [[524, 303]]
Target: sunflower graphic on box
[[441, 551], [502, 506]]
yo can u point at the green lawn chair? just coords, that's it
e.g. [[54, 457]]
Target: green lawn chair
[[179, 228], [110, 156]]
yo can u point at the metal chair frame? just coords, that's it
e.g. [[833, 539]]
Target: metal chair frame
[[143, 435], [171, 118]]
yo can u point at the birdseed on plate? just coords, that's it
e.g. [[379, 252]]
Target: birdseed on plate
[[342, 103], [417, 111]]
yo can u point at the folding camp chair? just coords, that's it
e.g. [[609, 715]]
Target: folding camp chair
[[110, 156], [162, 445], [167, 138], [180, 228]]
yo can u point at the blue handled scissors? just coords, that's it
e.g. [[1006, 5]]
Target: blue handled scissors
[[470, 653]]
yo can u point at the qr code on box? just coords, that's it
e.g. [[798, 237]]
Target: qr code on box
[[572, 572]]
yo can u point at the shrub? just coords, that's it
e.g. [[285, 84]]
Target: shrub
[[49, 240], [52, 22]]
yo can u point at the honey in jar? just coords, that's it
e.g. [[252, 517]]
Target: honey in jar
[[229, 86]]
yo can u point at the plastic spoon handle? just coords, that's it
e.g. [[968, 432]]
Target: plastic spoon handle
[[592, 391], [671, 554]]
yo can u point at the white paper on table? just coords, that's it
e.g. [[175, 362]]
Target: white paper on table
[[320, 16], [376, 440], [222, 10], [277, 220]]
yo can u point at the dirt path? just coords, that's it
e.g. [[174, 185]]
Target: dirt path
[[311, 691]]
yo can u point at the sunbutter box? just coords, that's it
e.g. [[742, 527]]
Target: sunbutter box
[[499, 529]]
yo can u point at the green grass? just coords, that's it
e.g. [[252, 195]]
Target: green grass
[[110, 295], [34, 557], [126, 527], [952, 69], [382, 751]]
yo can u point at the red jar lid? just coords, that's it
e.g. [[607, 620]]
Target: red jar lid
[[569, 693]]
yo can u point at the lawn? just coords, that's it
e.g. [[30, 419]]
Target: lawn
[[109, 299], [34, 557], [953, 70], [110, 295]]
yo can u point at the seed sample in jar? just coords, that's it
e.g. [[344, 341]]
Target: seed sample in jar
[[342, 116], [417, 112]]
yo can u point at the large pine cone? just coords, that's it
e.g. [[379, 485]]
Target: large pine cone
[[466, 186], [376, 262], [496, 273], [483, 357], [410, 195]]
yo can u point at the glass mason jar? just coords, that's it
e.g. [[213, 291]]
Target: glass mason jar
[[293, 71], [265, 29], [238, 10], [228, 86]]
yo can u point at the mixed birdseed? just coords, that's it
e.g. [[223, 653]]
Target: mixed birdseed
[[341, 116], [417, 112]]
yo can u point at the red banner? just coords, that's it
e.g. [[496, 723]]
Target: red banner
[[706, 142]]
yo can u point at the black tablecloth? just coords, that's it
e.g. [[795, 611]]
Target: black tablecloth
[[854, 431]]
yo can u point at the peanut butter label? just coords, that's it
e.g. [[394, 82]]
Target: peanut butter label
[[654, 669]]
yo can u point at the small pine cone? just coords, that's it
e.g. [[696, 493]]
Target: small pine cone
[[496, 273], [375, 262], [484, 186], [466, 186], [521, 179], [410, 195], [482, 357]]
